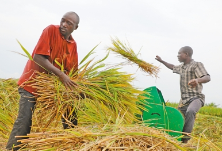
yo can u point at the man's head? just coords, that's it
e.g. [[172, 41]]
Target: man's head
[[68, 24], [185, 54]]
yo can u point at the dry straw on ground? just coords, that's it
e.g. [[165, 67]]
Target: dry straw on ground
[[103, 138]]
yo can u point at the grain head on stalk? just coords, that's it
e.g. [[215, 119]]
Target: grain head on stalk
[[103, 94], [127, 52]]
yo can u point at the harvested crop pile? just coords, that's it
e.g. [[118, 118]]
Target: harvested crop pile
[[99, 98], [103, 94], [107, 137]]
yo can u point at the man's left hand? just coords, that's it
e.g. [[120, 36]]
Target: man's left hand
[[193, 83]]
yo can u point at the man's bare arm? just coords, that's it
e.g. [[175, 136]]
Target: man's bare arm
[[44, 62], [194, 82], [168, 65]]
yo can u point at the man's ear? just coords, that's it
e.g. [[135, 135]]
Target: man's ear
[[76, 27]]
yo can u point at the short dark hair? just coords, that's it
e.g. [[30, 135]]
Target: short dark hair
[[77, 16], [188, 50]]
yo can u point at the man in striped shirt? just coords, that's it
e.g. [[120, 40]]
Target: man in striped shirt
[[192, 75]]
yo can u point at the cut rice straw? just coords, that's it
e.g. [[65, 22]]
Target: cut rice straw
[[127, 53], [108, 137]]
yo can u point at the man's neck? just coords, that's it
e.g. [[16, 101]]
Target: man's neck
[[188, 61], [67, 38]]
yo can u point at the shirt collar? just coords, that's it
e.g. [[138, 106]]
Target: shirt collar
[[70, 40], [186, 65]]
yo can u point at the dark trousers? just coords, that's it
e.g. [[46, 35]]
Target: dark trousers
[[72, 119], [23, 123], [189, 112]]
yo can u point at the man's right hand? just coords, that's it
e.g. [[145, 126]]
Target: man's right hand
[[168, 65], [44, 62], [69, 84], [159, 59]]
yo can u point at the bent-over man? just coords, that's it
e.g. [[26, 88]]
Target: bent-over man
[[56, 42]]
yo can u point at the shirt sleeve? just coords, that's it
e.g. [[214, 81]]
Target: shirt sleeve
[[177, 69], [43, 45], [200, 71]]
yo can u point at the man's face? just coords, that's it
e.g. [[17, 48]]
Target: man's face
[[68, 25], [182, 56]]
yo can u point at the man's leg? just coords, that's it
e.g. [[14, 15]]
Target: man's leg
[[190, 115], [23, 123]]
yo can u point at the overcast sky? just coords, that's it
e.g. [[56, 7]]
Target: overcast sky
[[151, 26]]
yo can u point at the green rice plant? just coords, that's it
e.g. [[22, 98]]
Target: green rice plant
[[213, 111], [172, 104], [211, 104]]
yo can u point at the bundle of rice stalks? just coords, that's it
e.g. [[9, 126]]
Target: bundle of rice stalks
[[99, 98], [103, 137], [126, 52], [102, 94]]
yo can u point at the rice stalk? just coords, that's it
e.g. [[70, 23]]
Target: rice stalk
[[95, 100], [126, 52], [103, 137], [102, 95]]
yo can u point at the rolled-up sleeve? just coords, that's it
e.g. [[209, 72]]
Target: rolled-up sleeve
[[200, 70], [177, 69]]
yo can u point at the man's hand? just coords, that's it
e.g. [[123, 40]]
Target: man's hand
[[168, 65], [193, 83], [69, 84], [44, 62], [159, 59]]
